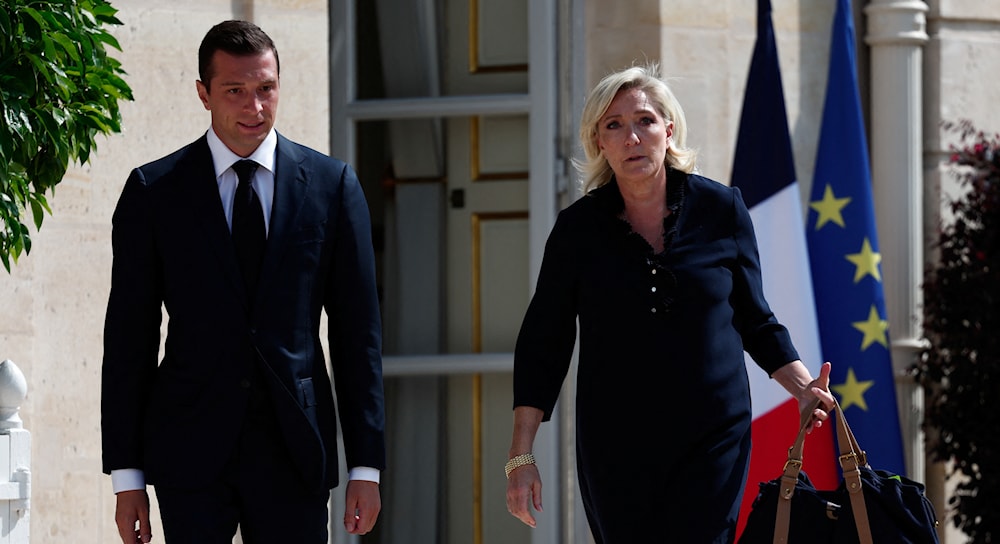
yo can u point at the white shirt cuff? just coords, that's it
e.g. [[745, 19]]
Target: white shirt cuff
[[364, 473], [127, 479]]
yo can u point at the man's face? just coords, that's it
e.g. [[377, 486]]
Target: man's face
[[243, 98]]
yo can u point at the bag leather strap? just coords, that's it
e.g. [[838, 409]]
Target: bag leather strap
[[852, 457]]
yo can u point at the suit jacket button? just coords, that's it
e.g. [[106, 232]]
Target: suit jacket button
[[245, 383]]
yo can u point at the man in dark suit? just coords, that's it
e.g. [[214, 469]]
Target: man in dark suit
[[236, 425]]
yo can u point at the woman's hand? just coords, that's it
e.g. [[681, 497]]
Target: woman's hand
[[818, 388], [524, 485], [797, 380], [524, 491]]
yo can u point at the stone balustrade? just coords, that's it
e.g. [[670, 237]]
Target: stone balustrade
[[15, 457]]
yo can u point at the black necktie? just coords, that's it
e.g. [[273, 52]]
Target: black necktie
[[249, 234]]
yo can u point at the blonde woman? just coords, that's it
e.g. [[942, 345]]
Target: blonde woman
[[658, 265]]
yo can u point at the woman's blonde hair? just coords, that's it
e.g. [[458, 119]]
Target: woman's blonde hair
[[595, 170]]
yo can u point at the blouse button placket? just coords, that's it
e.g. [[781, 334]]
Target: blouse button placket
[[652, 289]]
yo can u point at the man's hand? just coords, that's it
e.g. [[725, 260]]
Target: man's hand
[[131, 507], [363, 505]]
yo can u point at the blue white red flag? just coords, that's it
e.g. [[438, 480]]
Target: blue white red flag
[[764, 170]]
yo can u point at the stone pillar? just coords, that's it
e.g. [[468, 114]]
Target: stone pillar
[[15, 457], [896, 35]]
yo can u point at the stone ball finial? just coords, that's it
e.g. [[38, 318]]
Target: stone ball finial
[[13, 390]]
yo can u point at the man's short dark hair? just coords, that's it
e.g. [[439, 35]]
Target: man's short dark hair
[[239, 38]]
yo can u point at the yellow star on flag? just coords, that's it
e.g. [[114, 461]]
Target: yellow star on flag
[[866, 262], [829, 208], [874, 329], [852, 391]]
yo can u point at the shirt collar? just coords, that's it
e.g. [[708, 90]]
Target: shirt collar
[[223, 157]]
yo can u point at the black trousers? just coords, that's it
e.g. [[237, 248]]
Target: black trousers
[[258, 491]]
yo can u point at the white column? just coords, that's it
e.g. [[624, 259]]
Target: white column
[[896, 35]]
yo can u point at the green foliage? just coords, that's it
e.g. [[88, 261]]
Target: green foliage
[[961, 368], [58, 90]]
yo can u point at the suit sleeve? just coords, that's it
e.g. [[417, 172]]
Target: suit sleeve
[[355, 334], [131, 328]]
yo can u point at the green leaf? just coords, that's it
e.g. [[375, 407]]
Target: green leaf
[[48, 123], [17, 242], [59, 115], [5, 28], [105, 13], [6, 148], [87, 49], [102, 124], [67, 45], [51, 22], [33, 13], [25, 240], [24, 123], [41, 67], [40, 200], [83, 150], [30, 29], [37, 213], [109, 39], [124, 91]]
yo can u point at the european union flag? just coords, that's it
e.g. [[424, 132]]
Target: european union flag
[[845, 261]]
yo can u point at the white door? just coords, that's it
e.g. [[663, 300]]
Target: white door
[[432, 107]]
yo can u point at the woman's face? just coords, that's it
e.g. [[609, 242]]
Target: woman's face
[[633, 136]]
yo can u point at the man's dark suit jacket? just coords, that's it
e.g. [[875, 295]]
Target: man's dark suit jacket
[[180, 420]]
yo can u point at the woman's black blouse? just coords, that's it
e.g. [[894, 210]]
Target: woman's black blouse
[[661, 336]]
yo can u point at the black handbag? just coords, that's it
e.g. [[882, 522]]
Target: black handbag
[[868, 506]]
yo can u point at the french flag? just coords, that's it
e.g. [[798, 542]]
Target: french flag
[[764, 170]]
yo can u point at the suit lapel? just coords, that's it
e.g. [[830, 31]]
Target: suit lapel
[[290, 185], [204, 193]]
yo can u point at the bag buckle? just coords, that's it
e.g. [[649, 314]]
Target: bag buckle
[[793, 463], [857, 459]]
